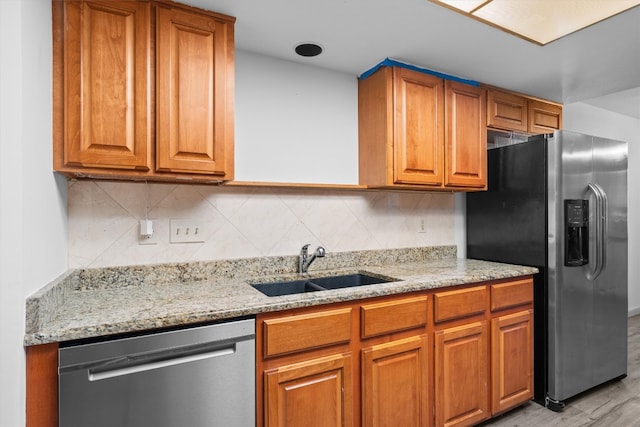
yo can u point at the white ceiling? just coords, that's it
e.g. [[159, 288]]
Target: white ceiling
[[603, 59]]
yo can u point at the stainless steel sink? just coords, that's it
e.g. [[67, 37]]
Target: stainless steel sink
[[314, 284]]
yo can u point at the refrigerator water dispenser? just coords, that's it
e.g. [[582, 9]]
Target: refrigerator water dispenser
[[576, 226]]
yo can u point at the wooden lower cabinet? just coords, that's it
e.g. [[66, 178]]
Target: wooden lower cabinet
[[512, 360], [395, 389], [42, 385], [446, 358], [314, 393], [461, 375]]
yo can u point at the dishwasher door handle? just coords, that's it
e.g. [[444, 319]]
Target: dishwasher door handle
[[102, 373]]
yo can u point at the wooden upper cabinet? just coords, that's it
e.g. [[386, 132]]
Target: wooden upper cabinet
[[193, 64], [544, 117], [419, 128], [506, 111], [106, 84], [466, 136], [115, 83], [417, 131], [514, 112]]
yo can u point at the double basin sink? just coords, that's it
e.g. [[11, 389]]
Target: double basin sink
[[313, 284]]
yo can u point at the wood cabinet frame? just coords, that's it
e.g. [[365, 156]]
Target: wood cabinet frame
[[42, 385]]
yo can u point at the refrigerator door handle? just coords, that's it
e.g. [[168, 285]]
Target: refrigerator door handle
[[600, 226]]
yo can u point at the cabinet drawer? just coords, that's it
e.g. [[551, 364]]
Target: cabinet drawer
[[518, 292], [306, 331], [392, 316], [459, 303]]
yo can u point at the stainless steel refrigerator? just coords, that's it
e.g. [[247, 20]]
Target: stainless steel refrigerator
[[559, 202]]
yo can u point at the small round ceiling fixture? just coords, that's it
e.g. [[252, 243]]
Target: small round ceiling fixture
[[308, 49]]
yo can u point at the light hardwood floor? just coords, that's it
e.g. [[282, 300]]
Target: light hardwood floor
[[615, 404]]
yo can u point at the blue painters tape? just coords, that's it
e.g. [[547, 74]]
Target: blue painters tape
[[388, 62]]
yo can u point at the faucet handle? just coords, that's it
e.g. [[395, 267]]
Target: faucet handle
[[305, 249], [302, 259]]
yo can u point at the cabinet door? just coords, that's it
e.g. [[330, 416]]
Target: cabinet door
[[461, 375], [106, 85], [506, 111], [418, 128], [194, 93], [512, 360], [314, 393], [394, 384], [466, 136], [544, 117]]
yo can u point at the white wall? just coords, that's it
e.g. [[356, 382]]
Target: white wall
[[32, 202], [584, 118], [294, 122]]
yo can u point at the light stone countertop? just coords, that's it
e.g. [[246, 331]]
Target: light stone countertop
[[101, 302]]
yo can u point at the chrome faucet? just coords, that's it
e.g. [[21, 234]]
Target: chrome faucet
[[305, 261]]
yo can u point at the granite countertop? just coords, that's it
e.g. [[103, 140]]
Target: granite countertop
[[100, 302]]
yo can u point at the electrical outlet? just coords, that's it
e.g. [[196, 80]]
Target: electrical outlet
[[146, 234], [185, 231], [422, 225]]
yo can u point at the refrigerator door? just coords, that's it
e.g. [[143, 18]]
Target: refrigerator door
[[587, 301], [610, 309]]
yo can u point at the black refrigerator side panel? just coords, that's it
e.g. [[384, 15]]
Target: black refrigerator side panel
[[507, 223]]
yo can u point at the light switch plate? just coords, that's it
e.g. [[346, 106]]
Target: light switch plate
[[422, 225], [185, 231]]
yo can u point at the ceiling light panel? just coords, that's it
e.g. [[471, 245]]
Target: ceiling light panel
[[540, 21]]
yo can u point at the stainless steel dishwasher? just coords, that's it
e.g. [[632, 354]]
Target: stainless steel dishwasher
[[202, 376]]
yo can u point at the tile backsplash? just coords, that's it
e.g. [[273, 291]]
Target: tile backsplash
[[246, 222]]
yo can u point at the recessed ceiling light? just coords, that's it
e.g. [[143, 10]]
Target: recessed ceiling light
[[308, 49], [539, 21]]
